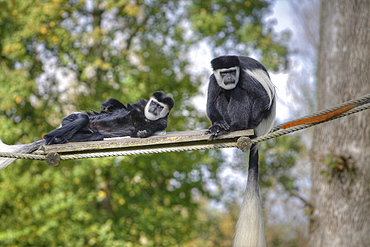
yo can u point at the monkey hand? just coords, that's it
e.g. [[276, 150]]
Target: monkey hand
[[51, 139], [106, 106], [143, 133], [218, 128], [111, 105]]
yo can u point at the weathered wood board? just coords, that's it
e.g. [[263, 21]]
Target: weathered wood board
[[171, 139]]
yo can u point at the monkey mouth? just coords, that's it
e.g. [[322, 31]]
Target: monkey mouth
[[229, 80], [154, 112], [229, 76]]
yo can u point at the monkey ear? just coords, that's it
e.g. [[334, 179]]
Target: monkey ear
[[169, 101], [224, 62], [158, 95]]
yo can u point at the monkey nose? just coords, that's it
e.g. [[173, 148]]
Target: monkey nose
[[229, 79]]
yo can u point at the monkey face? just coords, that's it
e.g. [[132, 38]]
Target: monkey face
[[227, 78], [155, 110]]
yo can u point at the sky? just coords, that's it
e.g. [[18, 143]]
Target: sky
[[282, 13]]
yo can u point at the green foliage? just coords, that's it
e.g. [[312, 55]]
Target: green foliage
[[116, 201], [61, 56], [238, 27], [335, 166], [278, 157]]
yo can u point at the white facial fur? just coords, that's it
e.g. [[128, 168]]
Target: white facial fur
[[220, 79], [150, 115]]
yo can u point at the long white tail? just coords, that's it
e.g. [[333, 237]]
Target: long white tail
[[250, 231], [20, 148]]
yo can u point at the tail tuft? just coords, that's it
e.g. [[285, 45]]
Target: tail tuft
[[20, 149]]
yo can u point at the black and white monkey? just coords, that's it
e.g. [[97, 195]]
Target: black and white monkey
[[241, 96], [141, 119]]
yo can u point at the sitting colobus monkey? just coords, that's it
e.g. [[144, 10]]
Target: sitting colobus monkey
[[141, 119], [241, 96]]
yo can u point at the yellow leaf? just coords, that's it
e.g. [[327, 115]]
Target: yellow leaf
[[8, 49], [131, 10], [102, 193], [18, 99], [55, 39], [121, 201], [106, 66], [98, 62], [43, 30]]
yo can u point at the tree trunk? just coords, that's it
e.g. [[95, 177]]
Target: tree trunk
[[341, 148]]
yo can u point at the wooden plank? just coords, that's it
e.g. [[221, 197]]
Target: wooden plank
[[180, 138]]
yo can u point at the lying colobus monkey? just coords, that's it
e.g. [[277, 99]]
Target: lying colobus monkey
[[141, 119], [241, 96]]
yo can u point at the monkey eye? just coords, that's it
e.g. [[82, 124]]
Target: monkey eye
[[229, 71]]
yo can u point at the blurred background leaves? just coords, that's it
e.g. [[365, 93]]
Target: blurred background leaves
[[62, 56]]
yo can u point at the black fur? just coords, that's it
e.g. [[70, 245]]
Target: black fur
[[243, 107], [224, 62], [114, 120], [161, 97], [111, 105]]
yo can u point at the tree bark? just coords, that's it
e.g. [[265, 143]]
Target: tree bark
[[341, 148]]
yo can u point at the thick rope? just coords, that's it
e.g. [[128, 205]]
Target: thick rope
[[121, 153], [305, 126], [22, 156], [147, 151], [354, 101], [271, 135]]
